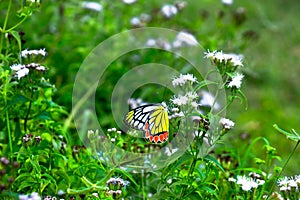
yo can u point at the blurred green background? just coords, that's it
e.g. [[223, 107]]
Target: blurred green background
[[267, 33]]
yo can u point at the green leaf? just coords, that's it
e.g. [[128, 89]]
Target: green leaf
[[215, 161], [292, 136], [44, 116], [127, 175], [27, 183], [16, 35], [49, 179], [24, 176], [17, 99]]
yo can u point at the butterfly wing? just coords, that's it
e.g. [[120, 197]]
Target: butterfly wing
[[152, 119], [158, 125], [138, 117]]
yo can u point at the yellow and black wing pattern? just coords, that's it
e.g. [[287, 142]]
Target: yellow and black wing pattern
[[152, 119]]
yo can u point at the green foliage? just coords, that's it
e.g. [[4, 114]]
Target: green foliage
[[39, 145]]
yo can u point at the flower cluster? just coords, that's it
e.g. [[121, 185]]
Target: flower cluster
[[48, 197], [247, 183], [129, 1], [92, 6], [140, 21], [183, 79], [113, 130], [182, 39], [22, 70], [225, 58], [134, 103], [29, 139], [25, 53], [32, 196], [236, 81], [169, 10], [226, 123], [227, 2], [115, 186], [289, 183]]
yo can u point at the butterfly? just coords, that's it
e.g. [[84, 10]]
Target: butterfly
[[152, 119]]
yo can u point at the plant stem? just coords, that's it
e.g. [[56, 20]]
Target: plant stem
[[191, 170], [28, 111], [7, 117], [285, 164], [4, 25]]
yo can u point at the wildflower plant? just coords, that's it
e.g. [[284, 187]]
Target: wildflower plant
[[45, 156]]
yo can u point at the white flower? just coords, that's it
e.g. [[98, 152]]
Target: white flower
[[133, 103], [175, 115], [42, 52], [151, 42], [236, 81], [194, 104], [183, 78], [190, 77], [35, 196], [175, 109], [209, 54], [180, 81], [92, 6], [40, 68], [246, 183], [169, 181], [135, 21], [23, 197], [129, 1], [95, 194], [27, 52], [219, 56], [22, 72], [169, 10], [231, 179], [297, 179], [227, 2], [191, 95], [260, 182], [24, 53], [117, 181], [208, 100], [17, 67], [114, 129], [285, 188], [234, 59], [226, 123], [180, 100], [60, 192], [293, 183], [109, 130], [164, 44], [113, 139], [283, 181], [170, 151], [184, 38]]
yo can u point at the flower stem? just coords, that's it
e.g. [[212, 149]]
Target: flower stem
[[6, 115], [191, 170], [285, 164], [28, 111]]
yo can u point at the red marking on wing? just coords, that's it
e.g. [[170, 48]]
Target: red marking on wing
[[158, 138]]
